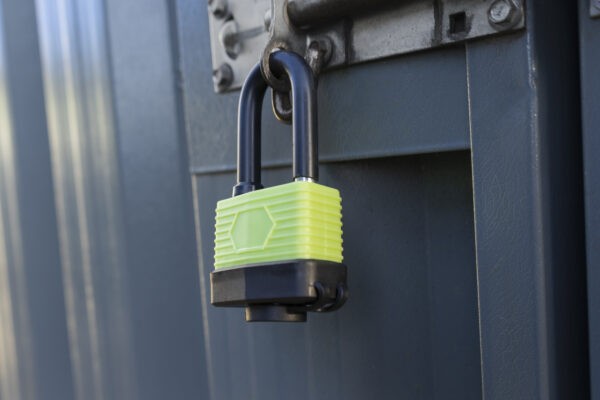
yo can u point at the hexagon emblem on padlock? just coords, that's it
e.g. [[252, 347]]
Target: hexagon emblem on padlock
[[278, 250]]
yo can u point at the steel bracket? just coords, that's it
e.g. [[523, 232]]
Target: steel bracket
[[337, 33]]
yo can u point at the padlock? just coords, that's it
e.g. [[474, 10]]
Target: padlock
[[278, 250]]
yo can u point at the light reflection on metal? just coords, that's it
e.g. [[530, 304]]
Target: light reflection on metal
[[16, 352], [81, 130]]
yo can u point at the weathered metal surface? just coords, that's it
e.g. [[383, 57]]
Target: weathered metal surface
[[354, 35]]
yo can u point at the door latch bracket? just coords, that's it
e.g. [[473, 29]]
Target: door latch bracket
[[336, 33]]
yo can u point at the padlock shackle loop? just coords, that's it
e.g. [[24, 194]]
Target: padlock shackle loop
[[249, 125], [304, 115]]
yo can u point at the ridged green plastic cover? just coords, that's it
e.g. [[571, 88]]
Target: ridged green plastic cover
[[298, 220]]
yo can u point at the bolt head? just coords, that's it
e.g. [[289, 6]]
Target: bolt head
[[318, 53], [229, 39], [223, 77], [218, 8], [505, 14], [500, 11]]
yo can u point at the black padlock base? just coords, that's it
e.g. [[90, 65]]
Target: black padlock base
[[273, 313], [281, 291]]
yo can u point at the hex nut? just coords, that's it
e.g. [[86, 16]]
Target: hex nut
[[504, 14]]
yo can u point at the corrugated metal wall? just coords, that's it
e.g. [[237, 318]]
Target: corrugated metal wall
[[461, 177], [35, 356], [100, 296]]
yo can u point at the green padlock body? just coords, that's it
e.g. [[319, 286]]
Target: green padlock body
[[297, 220]]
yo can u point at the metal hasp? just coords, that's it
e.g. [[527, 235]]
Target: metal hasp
[[278, 250], [337, 33]]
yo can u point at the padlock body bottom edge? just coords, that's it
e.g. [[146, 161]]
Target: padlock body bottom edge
[[283, 291]]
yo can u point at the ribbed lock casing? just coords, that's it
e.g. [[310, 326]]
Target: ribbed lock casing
[[297, 220]]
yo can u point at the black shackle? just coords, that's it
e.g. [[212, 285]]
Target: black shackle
[[304, 126]]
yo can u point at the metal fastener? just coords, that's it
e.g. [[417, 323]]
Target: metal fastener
[[223, 77], [230, 39], [318, 53], [218, 8], [504, 14]]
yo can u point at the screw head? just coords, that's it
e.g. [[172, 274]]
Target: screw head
[[223, 77], [318, 53], [504, 14], [218, 8], [228, 37]]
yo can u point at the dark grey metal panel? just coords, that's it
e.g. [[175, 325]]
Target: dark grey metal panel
[[157, 200], [123, 199], [412, 329], [99, 293], [589, 35], [75, 66], [34, 351], [528, 217], [410, 326], [528, 209], [395, 115], [511, 272]]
